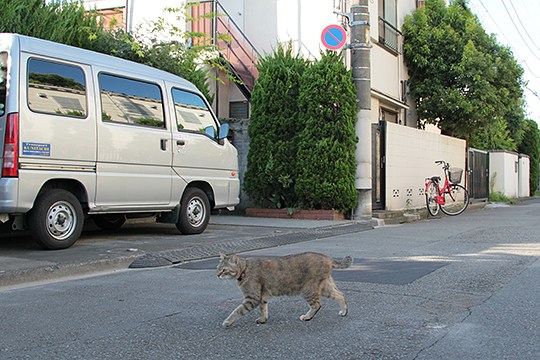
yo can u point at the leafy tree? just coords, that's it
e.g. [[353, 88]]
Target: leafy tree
[[530, 145], [50, 21], [460, 78], [493, 137], [325, 162], [274, 130]]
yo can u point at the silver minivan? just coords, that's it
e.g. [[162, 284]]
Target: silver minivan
[[84, 134]]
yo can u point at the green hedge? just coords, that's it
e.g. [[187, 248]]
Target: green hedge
[[274, 130], [302, 134], [326, 162]]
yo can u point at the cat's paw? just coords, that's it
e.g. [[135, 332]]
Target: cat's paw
[[227, 323], [261, 321], [304, 318], [342, 313]]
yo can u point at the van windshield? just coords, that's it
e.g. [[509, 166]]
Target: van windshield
[[3, 81]]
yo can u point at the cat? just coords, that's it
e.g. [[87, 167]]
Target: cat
[[308, 275]]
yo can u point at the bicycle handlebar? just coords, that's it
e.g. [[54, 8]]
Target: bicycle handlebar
[[445, 164]]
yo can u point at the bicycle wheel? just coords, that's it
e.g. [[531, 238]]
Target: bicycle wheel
[[456, 200], [431, 203]]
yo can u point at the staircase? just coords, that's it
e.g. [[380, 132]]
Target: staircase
[[211, 19]]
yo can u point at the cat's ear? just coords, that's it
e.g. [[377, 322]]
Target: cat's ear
[[222, 255], [234, 259]]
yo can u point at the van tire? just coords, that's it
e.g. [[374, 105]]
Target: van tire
[[56, 220], [194, 212]]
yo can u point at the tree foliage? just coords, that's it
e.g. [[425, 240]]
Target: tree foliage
[[325, 162], [274, 130], [85, 30], [461, 79], [63, 22], [530, 145]]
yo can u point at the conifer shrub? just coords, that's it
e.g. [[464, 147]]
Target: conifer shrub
[[325, 163], [274, 130]]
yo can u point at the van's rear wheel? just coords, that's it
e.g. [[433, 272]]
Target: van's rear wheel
[[57, 219], [194, 212]]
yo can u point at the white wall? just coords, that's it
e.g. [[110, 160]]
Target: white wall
[[300, 22], [503, 173], [385, 72], [410, 159], [523, 176], [142, 12]]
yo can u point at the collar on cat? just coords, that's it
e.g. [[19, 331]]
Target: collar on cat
[[242, 274]]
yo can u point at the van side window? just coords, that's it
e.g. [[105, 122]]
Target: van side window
[[55, 88], [129, 101], [3, 81], [192, 113]]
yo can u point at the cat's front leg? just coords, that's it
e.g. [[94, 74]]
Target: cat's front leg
[[242, 309], [264, 313]]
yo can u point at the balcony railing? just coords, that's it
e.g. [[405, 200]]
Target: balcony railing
[[214, 21], [390, 37]]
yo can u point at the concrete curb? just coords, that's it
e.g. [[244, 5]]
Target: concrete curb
[[166, 258], [43, 271], [39, 274]]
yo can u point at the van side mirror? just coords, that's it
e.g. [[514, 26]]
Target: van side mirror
[[223, 131], [210, 131]]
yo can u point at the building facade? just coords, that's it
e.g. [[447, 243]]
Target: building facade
[[255, 27]]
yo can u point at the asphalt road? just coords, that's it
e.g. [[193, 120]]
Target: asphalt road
[[462, 287]]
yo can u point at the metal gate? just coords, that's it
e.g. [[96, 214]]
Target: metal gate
[[478, 173], [378, 175]]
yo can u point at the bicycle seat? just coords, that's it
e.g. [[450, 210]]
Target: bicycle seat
[[436, 178]]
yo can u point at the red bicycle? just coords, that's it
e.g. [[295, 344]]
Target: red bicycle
[[451, 198]]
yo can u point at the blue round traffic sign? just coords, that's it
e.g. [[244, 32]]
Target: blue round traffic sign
[[333, 37]]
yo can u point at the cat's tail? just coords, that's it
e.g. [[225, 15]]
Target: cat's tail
[[343, 264]]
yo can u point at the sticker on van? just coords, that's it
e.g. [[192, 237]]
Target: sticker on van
[[36, 149]]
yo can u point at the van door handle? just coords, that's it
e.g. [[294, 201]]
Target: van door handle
[[163, 144], [180, 142]]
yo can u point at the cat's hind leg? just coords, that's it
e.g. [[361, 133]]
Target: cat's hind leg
[[314, 301], [331, 291]]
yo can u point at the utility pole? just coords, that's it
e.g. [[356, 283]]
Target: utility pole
[[361, 72]]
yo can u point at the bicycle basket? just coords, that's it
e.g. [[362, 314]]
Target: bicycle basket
[[454, 175]]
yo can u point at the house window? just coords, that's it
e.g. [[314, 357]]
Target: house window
[[390, 116], [239, 109], [389, 35]]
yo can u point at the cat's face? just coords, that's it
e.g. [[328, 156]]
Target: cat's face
[[228, 267]]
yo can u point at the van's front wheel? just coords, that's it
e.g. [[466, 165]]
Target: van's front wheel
[[194, 212], [57, 219]]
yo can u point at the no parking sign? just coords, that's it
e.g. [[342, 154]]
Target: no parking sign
[[333, 37]]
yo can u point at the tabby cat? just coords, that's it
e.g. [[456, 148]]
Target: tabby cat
[[308, 275]]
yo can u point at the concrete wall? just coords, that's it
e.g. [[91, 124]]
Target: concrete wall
[[410, 158], [240, 139], [503, 173], [524, 173]]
